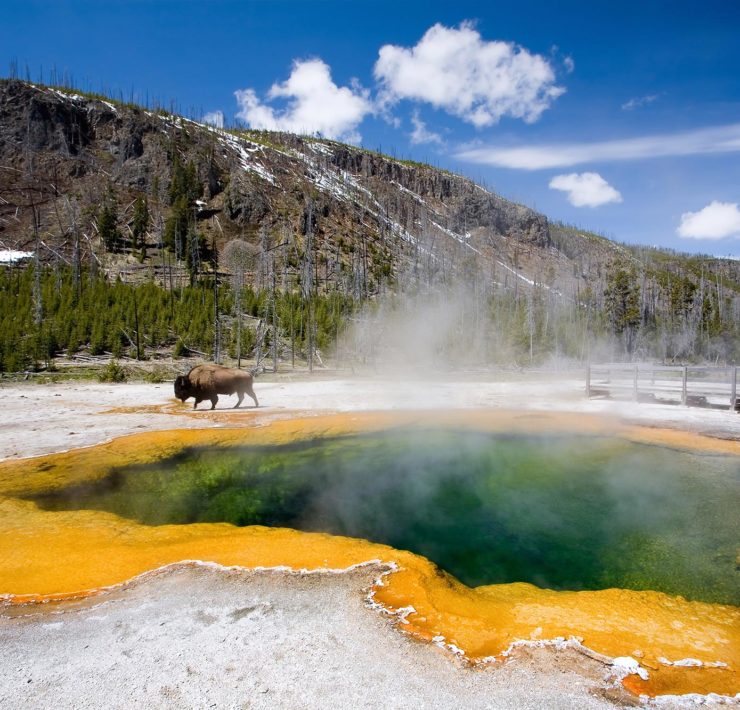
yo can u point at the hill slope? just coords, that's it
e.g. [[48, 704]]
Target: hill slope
[[344, 219], [56, 145]]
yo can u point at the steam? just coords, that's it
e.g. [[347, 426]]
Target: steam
[[437, 316], [465, 320], [420, 332]]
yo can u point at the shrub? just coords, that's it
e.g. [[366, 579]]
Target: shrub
[[156, 375], [113, 372]]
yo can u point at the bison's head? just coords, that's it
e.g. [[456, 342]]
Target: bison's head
[[182, 390]]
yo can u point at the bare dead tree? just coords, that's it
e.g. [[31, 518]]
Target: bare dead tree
[[264, 258], [307, 281], [37, 298], [273, 308], [239, 257], [76, 255]]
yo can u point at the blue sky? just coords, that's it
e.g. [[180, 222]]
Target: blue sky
[[622, 118]]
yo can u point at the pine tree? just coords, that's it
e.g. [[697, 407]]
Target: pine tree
[[184, 190], [141, 223], [108, 224], [176, 227], [622, 303], [193, 254]]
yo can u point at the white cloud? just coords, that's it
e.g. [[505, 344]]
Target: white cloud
[[716, 221], [456, 70], [639, 101], [315, 104], [214, 118], [586, 189], [569, 64], [720, 139], [421, 134]]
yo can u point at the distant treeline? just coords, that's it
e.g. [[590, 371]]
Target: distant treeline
[[58, 312]]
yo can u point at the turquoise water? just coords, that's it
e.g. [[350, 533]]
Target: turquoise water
[[563, 512]]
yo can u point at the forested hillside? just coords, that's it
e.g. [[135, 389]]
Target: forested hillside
[[146, 234]]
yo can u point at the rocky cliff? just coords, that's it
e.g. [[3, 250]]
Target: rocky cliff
[[371, 217], [62, 154]]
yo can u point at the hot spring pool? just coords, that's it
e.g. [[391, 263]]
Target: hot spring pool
[[559, 511]]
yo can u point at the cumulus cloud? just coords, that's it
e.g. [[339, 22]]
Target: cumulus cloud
[[716, 221], [479, 81], [720, 139], [421, 134], [315, 104], [585, 189], [214, 118], [639, 101]]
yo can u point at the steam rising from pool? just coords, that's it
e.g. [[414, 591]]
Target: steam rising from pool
[[563, 512]]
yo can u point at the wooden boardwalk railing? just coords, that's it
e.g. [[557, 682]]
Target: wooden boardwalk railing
[[690, 385]]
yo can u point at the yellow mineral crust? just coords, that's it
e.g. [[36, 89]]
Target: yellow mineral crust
[[46, 555]]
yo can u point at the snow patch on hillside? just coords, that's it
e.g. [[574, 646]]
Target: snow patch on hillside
[[65, 96], [10, 256], [516, 273], [457, 237], [246, 156]]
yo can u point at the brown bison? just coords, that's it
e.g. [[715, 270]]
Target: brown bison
[[208, 381]]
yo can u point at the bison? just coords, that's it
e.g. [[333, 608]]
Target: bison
[[208, 381]]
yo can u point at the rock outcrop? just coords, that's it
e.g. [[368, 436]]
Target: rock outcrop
[[373, 217]]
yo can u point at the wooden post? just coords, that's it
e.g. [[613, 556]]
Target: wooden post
[[733, 390], [684, 386], [588, 381], [634, 383]]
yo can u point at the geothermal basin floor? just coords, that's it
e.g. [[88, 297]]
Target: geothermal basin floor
[[42, 419], [205, 637]]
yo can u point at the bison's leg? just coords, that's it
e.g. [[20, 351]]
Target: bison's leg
[[251, 393], [214, 401], [196, 403], [239, 401]]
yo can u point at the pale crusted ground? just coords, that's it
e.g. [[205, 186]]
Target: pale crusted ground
[[39, 419], [209, 638], [205, 638]]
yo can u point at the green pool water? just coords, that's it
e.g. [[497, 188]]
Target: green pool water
[[563, 512]]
